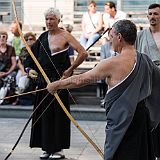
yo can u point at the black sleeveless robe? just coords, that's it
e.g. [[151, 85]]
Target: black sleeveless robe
[[51, 132]]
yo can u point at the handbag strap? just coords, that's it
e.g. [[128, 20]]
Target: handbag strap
[[91, 20]]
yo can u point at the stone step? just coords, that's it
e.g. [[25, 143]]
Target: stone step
[[79, 112]]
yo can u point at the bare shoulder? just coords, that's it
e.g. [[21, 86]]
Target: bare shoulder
[[116, 69], [65, 34], [72, 41], [112, 61], [107, 66], [115, 64]]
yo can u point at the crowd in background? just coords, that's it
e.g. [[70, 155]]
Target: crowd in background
[[13, 76], [14, 79]]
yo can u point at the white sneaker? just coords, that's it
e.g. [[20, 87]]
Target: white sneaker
[[45, 155], [57, 155]]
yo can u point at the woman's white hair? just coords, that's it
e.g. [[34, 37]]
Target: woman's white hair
[[54, 12]]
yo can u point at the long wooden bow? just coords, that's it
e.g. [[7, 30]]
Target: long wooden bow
[[48, 81]]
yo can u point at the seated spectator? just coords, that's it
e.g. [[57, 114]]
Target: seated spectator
[[111, 15], [22, 80], [91, 25], [7, 66]]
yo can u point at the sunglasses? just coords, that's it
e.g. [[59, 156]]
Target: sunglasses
[[29, 39], [3, 36]]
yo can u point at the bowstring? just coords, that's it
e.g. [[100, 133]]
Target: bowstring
[[44, 110]]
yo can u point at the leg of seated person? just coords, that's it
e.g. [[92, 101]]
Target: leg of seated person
[[19, 74], [83, 40], [23, 82], [92, 39]]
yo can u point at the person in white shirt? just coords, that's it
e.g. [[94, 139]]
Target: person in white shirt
[[91, 25], [110, 16]]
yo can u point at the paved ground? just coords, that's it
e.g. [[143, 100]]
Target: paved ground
[[81, 149]]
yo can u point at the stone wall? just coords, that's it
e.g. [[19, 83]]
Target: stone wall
[[34, 10]]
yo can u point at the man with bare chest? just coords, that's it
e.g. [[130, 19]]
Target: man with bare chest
[[52, 130], [148, 40]]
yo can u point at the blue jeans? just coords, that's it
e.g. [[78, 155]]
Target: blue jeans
[[86, 42]]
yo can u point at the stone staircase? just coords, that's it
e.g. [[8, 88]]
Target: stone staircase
[[79, 112]]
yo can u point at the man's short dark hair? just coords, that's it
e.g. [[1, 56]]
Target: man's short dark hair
[[154, 5], [127, 29], [111, 4]]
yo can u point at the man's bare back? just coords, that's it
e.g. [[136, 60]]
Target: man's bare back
[[122, 67]]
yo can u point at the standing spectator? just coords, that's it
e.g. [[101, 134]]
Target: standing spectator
[[148, 42], [14, 39], [91, 25], [22, 80], [7, 65], [51, 132]]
